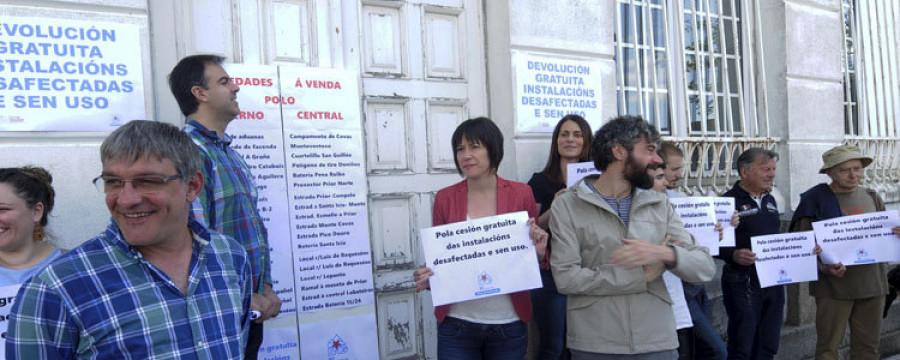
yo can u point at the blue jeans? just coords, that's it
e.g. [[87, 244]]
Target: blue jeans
[[464, 340], [550, 314], [755, 315], [708, 345]]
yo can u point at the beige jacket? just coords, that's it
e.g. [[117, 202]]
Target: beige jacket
[[610, 309]]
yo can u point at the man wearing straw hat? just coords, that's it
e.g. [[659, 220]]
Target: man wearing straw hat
[[844, 294]]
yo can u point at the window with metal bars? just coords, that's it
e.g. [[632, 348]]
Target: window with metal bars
[[690, 68], [871, 79]]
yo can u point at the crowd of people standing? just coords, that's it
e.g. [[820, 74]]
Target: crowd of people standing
[[182, 270]]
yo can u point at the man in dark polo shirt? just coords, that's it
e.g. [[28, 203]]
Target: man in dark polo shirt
[[755, 314], [853, 294]]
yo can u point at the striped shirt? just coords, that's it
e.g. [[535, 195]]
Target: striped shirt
[[621, 206], [228, 202], [103, 300]]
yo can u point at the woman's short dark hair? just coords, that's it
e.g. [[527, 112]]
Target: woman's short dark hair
[[32, 184], [626, 130], [483, 131], [552, 170]]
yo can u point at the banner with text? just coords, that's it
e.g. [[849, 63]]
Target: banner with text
[[69, 75], [325, 155], [256, 134], [859, 239], [699, 217], [479, 258], [300, 132], [549, 87], [785, 258]]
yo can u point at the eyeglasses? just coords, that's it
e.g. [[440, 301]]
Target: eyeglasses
[[111, 185]]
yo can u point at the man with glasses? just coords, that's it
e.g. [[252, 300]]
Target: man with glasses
[[156, 284], [228, 201]]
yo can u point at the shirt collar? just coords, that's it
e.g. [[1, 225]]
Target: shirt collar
[[225, 140]]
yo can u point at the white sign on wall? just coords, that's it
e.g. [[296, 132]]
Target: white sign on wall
[[548, 88], [69, 75], [300, 131]]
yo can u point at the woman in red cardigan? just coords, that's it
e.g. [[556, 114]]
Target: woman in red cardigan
[[492, 327]]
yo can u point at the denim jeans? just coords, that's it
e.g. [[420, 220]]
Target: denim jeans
[[755, 315], [550, 314], [464, 340], [708, 345]]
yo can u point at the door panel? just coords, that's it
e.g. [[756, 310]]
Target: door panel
[[423, 73]]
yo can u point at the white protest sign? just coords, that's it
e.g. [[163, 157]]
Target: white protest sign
[[785, 258], [550, 87], [699, 217], [69, 75], [859, 239], [724, 211], [7, 298], [481, 257], [577, 171], [679, 304]]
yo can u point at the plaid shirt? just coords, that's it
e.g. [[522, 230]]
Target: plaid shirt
[[103, 300], [228, 202]]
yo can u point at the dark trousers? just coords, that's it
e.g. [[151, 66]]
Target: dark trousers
[[254, 341], [707, 344], [755, 315], [460, 339], [550, 314]]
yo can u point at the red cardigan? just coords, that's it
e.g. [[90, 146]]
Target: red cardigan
[[450, 207]]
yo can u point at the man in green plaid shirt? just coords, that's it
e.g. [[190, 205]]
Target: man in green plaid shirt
[[228, 203]]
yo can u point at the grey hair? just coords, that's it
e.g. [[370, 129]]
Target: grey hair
[[142, 138], [626, 130], [752, 155]]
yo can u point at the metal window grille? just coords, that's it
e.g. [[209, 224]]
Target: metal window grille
[[716, 111], [848, 64], [877, 95], [642, 75]]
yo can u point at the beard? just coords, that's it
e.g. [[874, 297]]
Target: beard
[[637, 175]]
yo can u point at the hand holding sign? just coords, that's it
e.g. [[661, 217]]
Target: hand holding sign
[[744, 257], [538, 238], [420, 277]]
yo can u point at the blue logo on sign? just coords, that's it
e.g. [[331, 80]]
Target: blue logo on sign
[[862, 257], [484, 284], [783, 276], [336, 347]]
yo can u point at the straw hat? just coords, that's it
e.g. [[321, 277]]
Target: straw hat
[[839, 154]]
